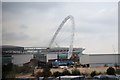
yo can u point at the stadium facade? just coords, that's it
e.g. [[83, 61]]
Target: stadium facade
[[20, 55]]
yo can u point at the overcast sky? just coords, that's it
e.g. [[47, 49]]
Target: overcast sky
[[34, 24]]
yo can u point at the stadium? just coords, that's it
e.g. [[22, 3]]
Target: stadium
[[21, 55], [55, 55]]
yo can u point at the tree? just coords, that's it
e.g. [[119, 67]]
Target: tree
[[38, 74], [6, 70], [57, 73], [75, 72], [111, 71], [93, 73], [66, 72], [117, 71], [46, 72]]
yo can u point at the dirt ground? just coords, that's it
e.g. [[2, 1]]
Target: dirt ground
[[82, 70]]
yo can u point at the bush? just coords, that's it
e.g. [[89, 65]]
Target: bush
[[66, 72], [24, 69], [93, 73], [56, 74], [75, 72], [38, 74], [117, 71], [9, 70], [46, 72], [111, 71]]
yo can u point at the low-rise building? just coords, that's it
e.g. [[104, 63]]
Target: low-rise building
[[101, 59]]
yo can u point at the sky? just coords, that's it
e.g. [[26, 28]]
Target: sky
[[34, 24]]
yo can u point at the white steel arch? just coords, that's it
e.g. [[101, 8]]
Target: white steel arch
[[72, 35]]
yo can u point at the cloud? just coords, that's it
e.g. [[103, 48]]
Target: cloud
[[20, 7], [14, 36], [23, 27], [34, 24]]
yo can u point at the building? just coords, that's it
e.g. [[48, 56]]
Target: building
[[100, 59], [8, 51], [47, 55], [20, 59], [21, 55]]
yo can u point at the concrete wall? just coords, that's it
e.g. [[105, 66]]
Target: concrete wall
[[103, 58], [99, 59], [51, 56], [20, 59], [40, 57], [45, 56], [84, 59], [119, 59]]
